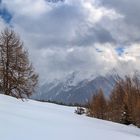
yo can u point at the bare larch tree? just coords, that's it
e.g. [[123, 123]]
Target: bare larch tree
[[17, 76]]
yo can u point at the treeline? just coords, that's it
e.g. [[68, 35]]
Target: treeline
[[123, 104]]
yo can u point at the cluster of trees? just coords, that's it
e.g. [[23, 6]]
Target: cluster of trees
[[123, 105], [17, 76]]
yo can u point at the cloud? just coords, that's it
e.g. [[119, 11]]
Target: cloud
[[129, 27], [59, 62], [29, 8], [63, 24], [77, 35], [3, 24]]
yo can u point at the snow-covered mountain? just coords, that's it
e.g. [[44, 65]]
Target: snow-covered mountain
[[73, 90]]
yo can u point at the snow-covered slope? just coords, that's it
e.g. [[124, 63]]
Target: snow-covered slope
[[73, 90], [32, 120]]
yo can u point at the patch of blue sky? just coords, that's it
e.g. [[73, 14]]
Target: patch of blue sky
[[5, 14], [120, 50]]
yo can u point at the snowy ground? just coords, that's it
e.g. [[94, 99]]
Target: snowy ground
[[33, 120]]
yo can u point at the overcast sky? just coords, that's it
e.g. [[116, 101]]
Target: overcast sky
[[91, 36]]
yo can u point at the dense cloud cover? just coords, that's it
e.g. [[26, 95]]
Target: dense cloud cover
[[92, 36]]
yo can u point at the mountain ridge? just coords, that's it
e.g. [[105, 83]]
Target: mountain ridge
[[71, 90]]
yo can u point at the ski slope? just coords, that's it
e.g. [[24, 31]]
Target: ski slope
[[32, 120]]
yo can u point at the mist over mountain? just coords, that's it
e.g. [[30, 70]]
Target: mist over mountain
[[72, 90]]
